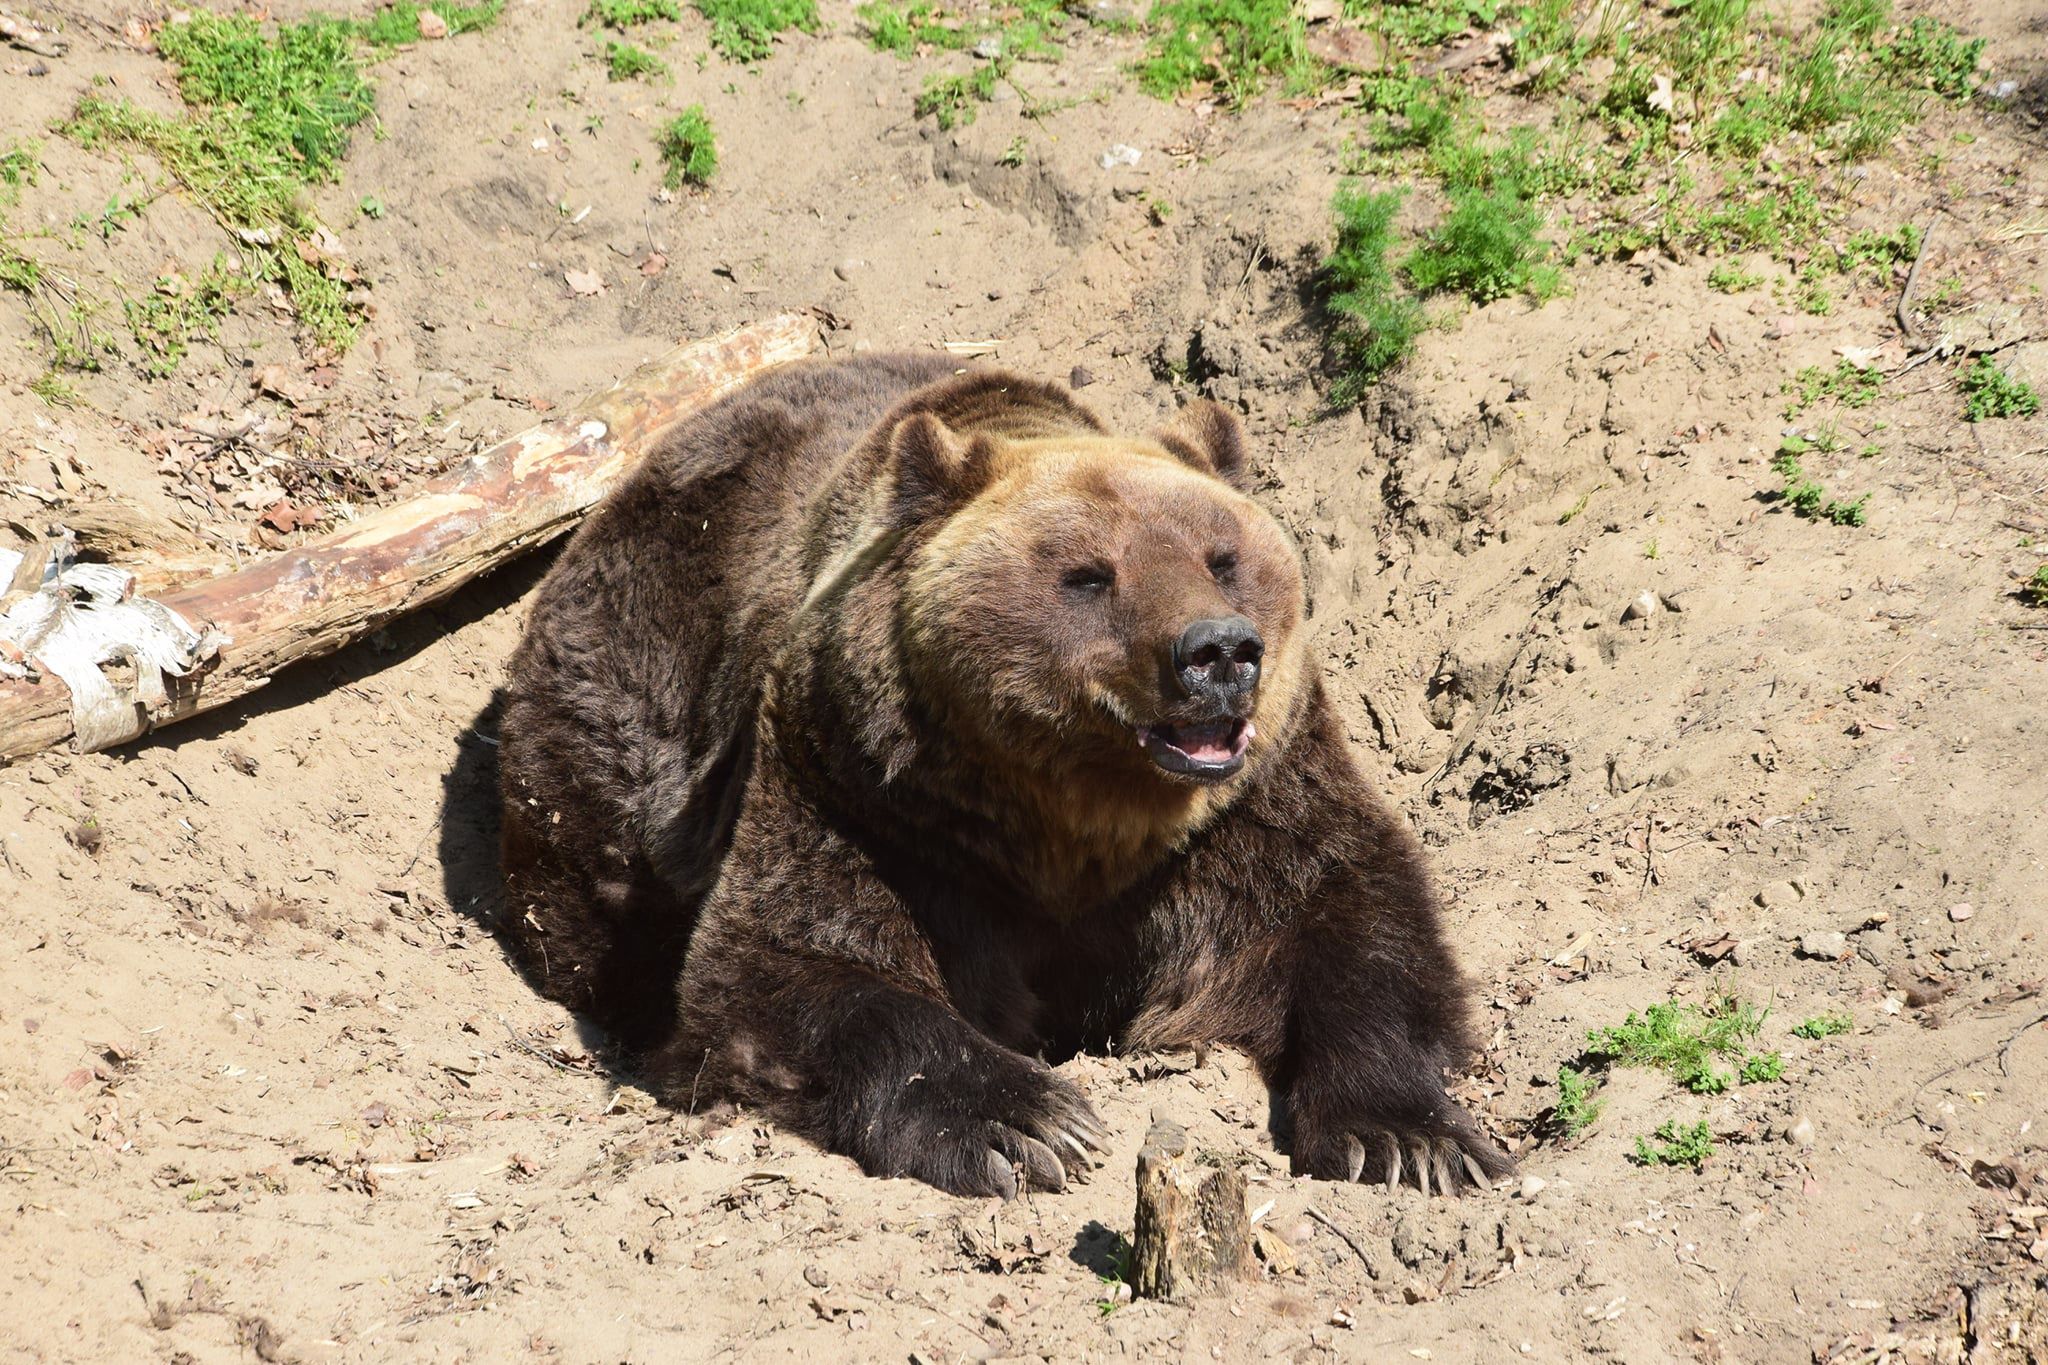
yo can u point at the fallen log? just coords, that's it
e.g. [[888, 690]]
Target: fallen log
[[319, 595]]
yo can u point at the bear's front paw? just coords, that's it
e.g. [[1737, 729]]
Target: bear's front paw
[[1006, 1126], [1444, 1153]]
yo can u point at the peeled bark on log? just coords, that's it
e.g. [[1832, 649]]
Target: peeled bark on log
[[316, 597], [1191, 1231]]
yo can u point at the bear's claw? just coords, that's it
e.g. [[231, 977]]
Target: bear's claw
[[1450, 1159]]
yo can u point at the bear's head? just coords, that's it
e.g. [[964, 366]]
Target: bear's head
[[1109, 626]]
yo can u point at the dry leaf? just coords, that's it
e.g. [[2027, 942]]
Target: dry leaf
[[584, 282], [653, 263], [1660, 96]]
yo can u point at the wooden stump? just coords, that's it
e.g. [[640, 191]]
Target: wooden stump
[[1191, 1231]]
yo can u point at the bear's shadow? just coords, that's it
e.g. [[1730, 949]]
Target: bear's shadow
[[471, 875]]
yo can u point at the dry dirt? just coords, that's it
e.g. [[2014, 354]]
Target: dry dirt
[[270, 1089]]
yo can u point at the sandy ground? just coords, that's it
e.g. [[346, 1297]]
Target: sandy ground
[[270, 1089]]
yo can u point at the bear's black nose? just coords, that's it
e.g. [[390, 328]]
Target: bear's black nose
[[1218, 657]]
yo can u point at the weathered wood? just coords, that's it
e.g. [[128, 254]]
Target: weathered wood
[[1191, 1231], [321, 594]]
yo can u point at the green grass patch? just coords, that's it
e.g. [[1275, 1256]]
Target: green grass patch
[[20, 164], [177, 312], [1933, 55], [1989, 391], [1849, 384], [688, 149], [1729, 277], [1031, 30], [952, 100], [620, 15], [1239, 46], [625, 62], [1576, 1109], [399, 22], [1823, 1026], [62, 309], [1682, 1040], [1752, 177], [269, 112], [1676, 1144], [1487, 247], [1806, 496], [744, 30], [1373, 322], [54, 390]]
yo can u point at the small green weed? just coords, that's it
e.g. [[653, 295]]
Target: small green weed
[[620, 15], [1763, 1066], [55, 390], [1373, 323], [1823, 1026], [952, 99], [1116, 1280], [1806, 496], [744, 30], [1728, 277], [2035, 589], [625, 62], [688, 149], [19, 164], [1676, 1145], [1239, 45], [1683, 1040], [1849, 384], [1576, 1109], [1014, 154], [176, 312], [62, 309], [1989, 391]]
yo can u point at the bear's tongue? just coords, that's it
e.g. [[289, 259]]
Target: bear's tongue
[[1213, 742]]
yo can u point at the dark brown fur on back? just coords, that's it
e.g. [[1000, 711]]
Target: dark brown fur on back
[[821, 790]]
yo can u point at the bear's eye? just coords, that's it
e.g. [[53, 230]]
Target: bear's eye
[[1092, 578], [1223, 566]]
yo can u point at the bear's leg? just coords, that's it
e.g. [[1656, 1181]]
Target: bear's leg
[[1374, 1015], [879, 1070]]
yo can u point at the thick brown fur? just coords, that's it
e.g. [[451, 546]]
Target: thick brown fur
[[826, 789]]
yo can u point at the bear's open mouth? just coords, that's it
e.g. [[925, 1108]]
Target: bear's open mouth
[[1209, 750]]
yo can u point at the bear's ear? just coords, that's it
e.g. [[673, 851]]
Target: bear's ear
[[935, 470], [1209, 437]]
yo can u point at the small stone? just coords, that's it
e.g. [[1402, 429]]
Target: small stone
[[1778, 895], [1828, 946], [816, 1278], [432, 25], [1959, 913], [1080, 377], [1532, 1185], [847, 268], [1645, 604], [1799, 1132]]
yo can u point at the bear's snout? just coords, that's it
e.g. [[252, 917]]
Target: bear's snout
[[1217, 659]]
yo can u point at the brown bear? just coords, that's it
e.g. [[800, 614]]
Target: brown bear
[[895, 730]]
